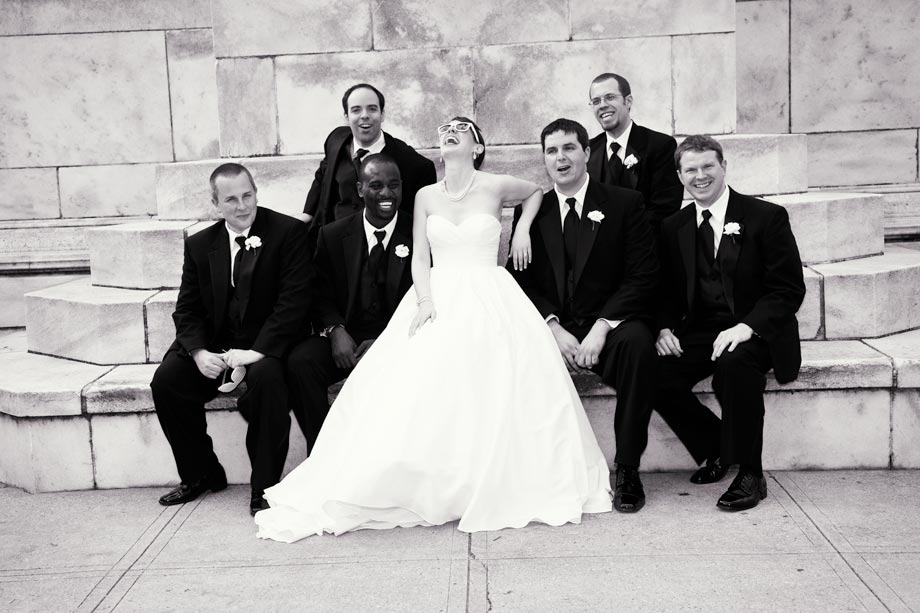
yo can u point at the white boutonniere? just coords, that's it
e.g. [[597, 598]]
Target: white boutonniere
[[402, 251], [630, 161], [596, 217], [253, 242], [732, 229]]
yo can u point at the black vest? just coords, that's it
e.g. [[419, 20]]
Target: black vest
[[710, 308], [373, 311]]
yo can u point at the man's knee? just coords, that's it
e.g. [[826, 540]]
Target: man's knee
[[307, 359], [737, 363], [268, 371]]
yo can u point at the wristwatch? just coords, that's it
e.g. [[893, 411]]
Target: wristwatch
[[328, 330]]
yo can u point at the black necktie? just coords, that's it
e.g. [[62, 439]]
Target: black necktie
[[238, 258], [570, 233], [375, 257], [615, 165], [359, 154], [706, 237]]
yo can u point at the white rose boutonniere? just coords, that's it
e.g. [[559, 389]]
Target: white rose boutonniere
[[732, 229], [402, 251], [596, 217], [630, 161], [253, 242]]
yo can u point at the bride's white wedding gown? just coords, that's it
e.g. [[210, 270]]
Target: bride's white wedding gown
[[474, 418]]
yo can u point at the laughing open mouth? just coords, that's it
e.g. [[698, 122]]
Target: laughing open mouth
[[451, 139]]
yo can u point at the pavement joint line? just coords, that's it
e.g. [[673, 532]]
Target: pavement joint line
[[879, 587]]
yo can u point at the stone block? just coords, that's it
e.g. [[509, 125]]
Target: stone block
[[54, 16], [444, 23], [283, 182], [905, 429], [123, 389], [13, 289], [854, 66], [871, 296], [108, 191], [551, 80], [839, 365], [902, 208], [41, 386], [79, 321], [161, 331], [422, 88], [79, 100], [650, 18], [46, 454], [811, 325], [855, 158], [132, 451], [522, 161], [193, 94], [246, 106], [142, 255], [288, 27], [29, 193], [762, 56], [832, 226], [704, 101], [904, 351], [766, 163]]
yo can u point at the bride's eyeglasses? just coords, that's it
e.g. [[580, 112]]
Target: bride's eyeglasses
[[460, 126]]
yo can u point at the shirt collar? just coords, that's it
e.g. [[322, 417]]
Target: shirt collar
[[374, 147], [369, 230], [623, 139], [233, 233], [579, 198], [717, 208]]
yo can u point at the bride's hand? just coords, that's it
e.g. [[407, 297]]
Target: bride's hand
[[425, 312], [521, 254]]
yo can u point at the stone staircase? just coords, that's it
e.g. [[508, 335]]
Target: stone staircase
[[76, 411]]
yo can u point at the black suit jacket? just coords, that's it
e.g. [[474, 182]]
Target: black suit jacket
[[272, 290], [761, 275], [655, 175], [616, 269], [415, 170], [336, 273]]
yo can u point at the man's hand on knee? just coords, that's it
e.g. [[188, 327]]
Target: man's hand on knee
[[668, 344], [241, 357], [568, 344], [209, 364], [343, 348], [731, 338], [589, 351]]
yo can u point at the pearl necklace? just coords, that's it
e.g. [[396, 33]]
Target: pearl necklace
[[462, 193]]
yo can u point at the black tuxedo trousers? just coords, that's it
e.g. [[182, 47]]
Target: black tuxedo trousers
[[180, 392]]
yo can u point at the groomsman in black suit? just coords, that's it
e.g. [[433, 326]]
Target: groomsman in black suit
[[361, 272], [241, 303], [333, 194], [593, 278], [731, 285], [630, 155]]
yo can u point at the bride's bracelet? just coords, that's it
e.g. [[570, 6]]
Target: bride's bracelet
[[423, 299]]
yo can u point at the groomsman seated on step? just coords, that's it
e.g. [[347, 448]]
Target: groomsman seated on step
[[361, 271], [731, 285], [629, 155], [333, 195], [240, 307], [593, 279]]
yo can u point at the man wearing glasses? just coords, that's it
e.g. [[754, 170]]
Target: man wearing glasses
[[333, 194], [628, 155]]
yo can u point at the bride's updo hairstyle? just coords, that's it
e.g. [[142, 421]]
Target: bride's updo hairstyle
[[477, 137]]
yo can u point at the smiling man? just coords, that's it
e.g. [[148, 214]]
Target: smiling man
[[361, 271], [241, 303], [333, 194], [593, 279], [629, 155], [731, 285]]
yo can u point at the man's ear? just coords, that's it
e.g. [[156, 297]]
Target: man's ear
[[360, 188], [588, 151]]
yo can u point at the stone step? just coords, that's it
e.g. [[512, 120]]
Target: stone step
[[833, 226], [67, 425], [80, 321], [142, 255], [902, 208], [872, 296], [758, 164]]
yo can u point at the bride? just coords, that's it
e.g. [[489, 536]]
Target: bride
[[463, 408]]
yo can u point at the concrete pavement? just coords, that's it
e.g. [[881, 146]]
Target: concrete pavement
[[841, 541]]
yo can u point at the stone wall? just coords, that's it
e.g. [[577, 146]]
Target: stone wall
[[845, 73]]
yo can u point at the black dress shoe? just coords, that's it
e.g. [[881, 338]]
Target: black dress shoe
[[186, 492], [713, 471], [744, 493], [258, 503], [628, 495]]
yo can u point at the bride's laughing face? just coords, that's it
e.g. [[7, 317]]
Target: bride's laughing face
[[457, 138]]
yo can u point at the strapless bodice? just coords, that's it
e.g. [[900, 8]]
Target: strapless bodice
[[472, 242]]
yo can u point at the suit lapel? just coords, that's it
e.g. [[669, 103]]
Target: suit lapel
[[396, 265], [354, 244], [587, 231], [550, 225], [219, 263], [686, 241], [598, 158], [248, 263], [730, 249]]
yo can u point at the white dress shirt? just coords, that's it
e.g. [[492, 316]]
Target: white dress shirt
[[369, 230], [374, 147], [234, 247], [717, 221], [622, 140]]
